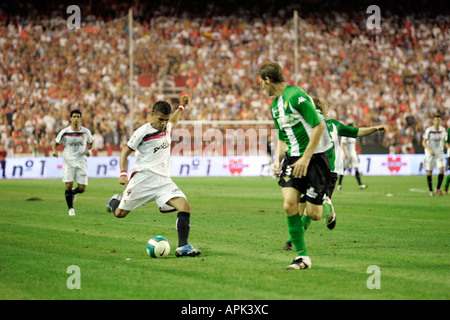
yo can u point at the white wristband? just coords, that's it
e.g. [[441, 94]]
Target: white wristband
[[182, 107]]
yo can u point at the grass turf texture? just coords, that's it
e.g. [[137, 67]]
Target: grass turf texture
[[240, 226]]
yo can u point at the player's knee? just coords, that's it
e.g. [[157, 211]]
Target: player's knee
[[120, 213], [315, 215], [314, 212], [186, 207], [290, 207]]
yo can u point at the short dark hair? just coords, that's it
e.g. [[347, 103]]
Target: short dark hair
[[163, 107], [271, 70], [75, 111]]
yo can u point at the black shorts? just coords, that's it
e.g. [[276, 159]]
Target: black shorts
[[316, 182], [334, 178]]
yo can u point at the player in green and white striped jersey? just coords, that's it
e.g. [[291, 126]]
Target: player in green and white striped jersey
[[335, 155], [447, 145], [303, 142]]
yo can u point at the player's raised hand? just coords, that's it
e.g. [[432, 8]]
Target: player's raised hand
[[184, 99]]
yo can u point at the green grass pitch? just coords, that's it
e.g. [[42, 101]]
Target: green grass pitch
[[240, 226]]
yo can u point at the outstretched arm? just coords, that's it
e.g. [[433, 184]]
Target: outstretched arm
[[184, 101], [362, 132]]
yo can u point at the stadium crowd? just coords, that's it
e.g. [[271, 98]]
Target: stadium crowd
[[398, 75]]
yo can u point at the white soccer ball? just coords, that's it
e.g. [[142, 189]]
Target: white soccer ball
[[158, 247]]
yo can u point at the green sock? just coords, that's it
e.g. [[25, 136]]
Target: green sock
[[447, 183], [306, 221], [297, 232], [326, 209]]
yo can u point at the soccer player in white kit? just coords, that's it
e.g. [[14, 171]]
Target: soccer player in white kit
[[78, 142], [351, 160], [433, 142], [150, 177]]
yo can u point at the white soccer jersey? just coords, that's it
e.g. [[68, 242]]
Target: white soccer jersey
[[152, 149], [75, 142], [435, 140]]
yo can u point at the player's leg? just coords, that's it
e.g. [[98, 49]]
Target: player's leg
[[447, 184], [79, 189], [81, 177], [68, 196], [440, 179], [429, 164], [430, 183], [447, 179], [358, 179], [183, 227], [68, 178], [296, 228]]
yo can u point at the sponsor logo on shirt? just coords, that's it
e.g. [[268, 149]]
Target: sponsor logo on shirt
[[165, 145]]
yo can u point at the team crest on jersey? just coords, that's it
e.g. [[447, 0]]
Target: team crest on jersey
[[285, 105]]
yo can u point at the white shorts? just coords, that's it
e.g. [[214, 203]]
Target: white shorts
[[352, 161], [75, 170], [145, 186], [431, 162]]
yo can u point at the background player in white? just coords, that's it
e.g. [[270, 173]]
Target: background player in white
[[150, 177], [78, 142], [351, 160], [433, 142]]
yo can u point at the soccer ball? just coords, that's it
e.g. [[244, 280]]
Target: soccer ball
[[158, 247]]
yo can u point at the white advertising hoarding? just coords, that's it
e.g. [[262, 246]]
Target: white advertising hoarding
[[108, 167]]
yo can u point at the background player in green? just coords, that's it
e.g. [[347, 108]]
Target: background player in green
[[303, 142], [447, 145], [336, 129]]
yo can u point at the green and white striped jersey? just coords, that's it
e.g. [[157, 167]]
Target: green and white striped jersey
[[295, 114], [335, 154]]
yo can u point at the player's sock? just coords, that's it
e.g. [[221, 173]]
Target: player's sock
[[326, 209], [76, 190], [430, 186], [69, 199], [306, 221], [114, 204], [297, 232], [447, 183], [440, 179], [183, 228], [358, 177], [340, 179]]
